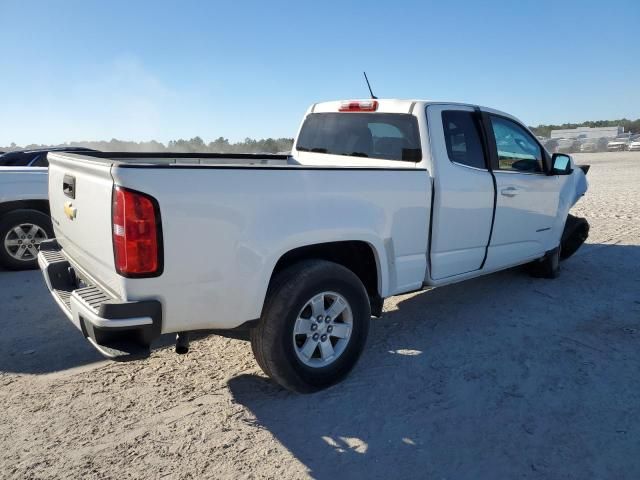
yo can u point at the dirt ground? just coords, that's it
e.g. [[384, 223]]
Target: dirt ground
[[500, 377]]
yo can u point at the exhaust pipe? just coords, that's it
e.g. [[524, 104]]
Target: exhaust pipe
[[182, 343]]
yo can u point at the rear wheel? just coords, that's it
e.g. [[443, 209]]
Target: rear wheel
[[313, 327], [21, 232]]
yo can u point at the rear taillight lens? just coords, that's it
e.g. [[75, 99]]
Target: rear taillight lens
[[137, 236]]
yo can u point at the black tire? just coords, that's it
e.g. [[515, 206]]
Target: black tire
[[12, 220], [548, 266], [576, 231], [272, 339]]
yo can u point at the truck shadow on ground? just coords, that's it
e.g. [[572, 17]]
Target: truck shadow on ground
[[544, 369], [36, 336]]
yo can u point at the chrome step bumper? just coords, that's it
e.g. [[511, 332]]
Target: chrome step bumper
[[118, 329]]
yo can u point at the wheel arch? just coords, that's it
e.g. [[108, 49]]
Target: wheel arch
[[359, 256], [41, 206]]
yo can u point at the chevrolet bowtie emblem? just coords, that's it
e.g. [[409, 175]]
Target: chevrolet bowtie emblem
[[70, 211]]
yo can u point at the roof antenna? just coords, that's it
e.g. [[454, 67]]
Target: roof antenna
[[369, 85]]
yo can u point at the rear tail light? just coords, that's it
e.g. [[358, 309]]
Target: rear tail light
[[137, 236], [359, 106]]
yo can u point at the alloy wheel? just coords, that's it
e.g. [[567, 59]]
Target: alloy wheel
[[22, 241], [322, 329]]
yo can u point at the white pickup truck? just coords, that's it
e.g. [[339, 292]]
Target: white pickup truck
[[378, 198]]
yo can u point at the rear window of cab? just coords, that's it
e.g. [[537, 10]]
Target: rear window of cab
[[387, 136]]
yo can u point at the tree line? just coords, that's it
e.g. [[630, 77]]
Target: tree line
[[268, 145], [193, 145]]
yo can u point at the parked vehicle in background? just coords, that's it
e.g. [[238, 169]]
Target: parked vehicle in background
[[576, 145], [551, 145], [34, 158], [634, 145], [24, 215], [588, 146], [569, 145], [24, 206], [379, 198], [618, 144], [602, 144]]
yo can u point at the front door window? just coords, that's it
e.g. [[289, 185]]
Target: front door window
[[517, 149]]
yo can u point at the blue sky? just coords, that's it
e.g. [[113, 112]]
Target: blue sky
[[134, 70]]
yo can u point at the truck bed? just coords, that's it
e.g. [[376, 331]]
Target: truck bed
[[175, 158], [222, 160], [227, 219]]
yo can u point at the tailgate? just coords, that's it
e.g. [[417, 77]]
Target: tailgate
[[80, 201]]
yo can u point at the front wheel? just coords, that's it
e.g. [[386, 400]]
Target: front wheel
[[548, 266], [21, 232], [314, 326]]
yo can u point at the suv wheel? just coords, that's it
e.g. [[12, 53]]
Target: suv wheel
[[21, 232]]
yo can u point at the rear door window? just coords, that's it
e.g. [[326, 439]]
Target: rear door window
[[388, 136], [462, 137], [41, 161], [17, 159]]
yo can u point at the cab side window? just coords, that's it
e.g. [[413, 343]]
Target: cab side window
[[517, 149], [462, 137]]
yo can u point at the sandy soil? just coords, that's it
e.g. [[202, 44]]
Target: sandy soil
[[500, 377]]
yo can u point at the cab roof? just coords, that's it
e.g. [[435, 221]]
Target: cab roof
[[395, 105], [385, 105]]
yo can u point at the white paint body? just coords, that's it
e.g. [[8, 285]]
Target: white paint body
[[224, 229], [23, 183]]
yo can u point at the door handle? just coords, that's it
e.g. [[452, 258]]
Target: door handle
[[69, 186], [509, 191]]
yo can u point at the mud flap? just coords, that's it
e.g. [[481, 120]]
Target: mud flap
[[576, 231]]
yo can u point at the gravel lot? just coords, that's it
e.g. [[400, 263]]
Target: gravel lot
[[500, 377]]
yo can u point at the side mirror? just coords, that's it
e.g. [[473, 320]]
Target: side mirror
[[561, 164]]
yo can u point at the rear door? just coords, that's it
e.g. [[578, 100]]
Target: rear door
[[80, 201], [527, 198], [463, 197]]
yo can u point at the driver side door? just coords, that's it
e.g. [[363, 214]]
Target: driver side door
[[526, 197]]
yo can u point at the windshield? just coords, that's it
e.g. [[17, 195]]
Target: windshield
[[389, 136]]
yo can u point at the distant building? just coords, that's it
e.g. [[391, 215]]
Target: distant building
[[587, 132]]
